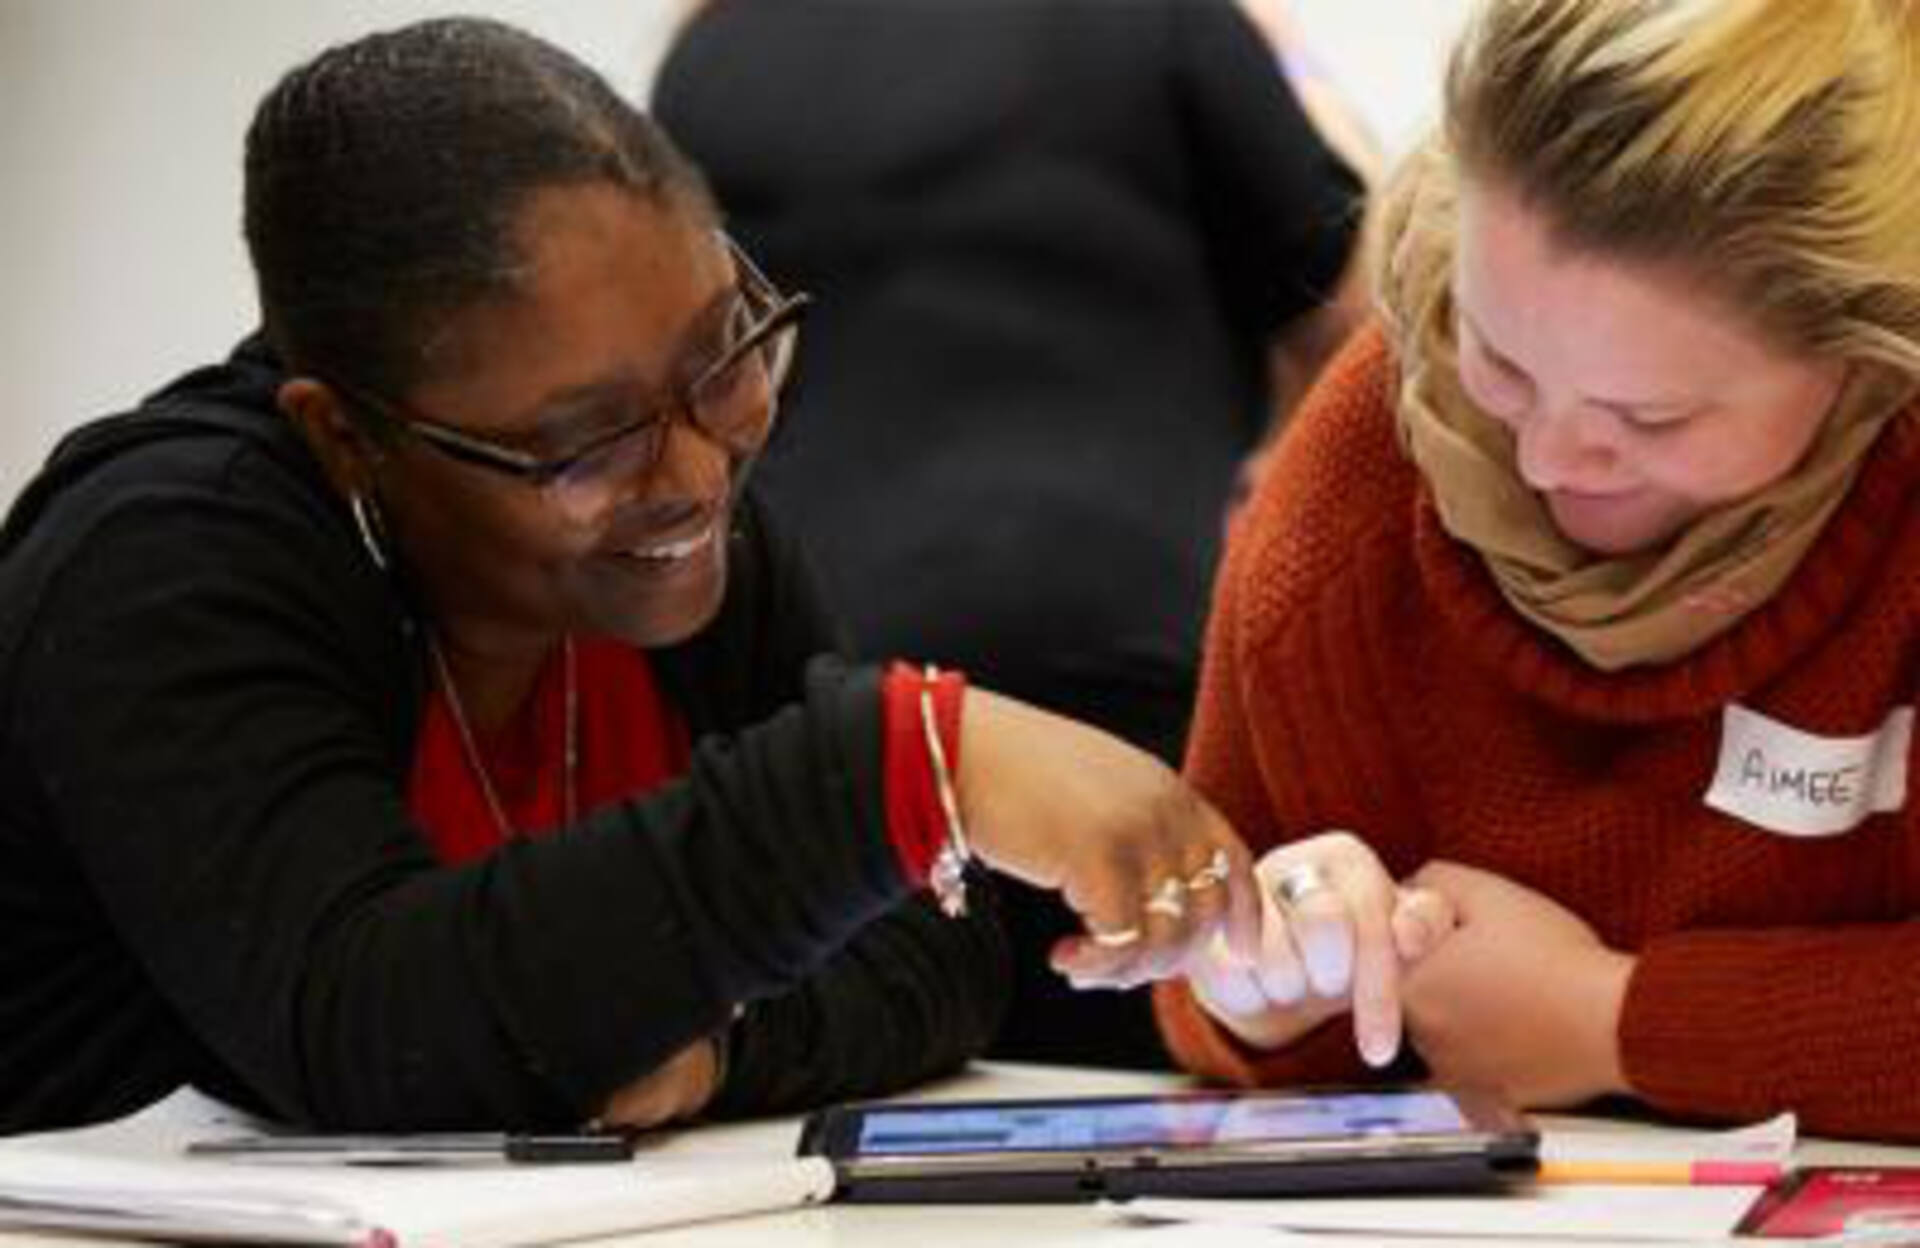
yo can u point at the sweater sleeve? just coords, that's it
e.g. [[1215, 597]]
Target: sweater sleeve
[[1286, 586], [913, 995], [212, 730], [1734, 1024], [1221, 762]]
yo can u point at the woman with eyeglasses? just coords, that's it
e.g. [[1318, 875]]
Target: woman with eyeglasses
[[411, 721]]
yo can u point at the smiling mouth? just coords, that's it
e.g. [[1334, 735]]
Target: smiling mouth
[[664, 553]]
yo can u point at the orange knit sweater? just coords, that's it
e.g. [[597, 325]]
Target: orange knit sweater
[[1362, 672]]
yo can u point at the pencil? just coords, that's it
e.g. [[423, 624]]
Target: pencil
[[1677, 1173]]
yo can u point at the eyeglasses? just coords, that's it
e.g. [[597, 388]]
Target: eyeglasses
[[731, 401]]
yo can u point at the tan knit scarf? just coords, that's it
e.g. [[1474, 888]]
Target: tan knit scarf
[[1615, 612]]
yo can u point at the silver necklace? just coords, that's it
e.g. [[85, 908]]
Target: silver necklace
[[570, 756]]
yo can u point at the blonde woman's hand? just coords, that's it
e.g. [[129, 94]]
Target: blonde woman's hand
[[1525, 997], [1336, 932], [1152, 870]]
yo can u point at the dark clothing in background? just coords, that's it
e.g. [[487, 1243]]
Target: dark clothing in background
[[1052, 241], [208, 696]]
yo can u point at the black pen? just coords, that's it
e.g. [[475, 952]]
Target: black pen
[[431, 1148]]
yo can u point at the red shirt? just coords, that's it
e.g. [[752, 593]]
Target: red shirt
[[631, 741]]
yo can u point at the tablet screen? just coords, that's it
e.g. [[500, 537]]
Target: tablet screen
[[1148, 1122]]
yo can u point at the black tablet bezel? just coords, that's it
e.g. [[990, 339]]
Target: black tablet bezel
[[1498, 1147]]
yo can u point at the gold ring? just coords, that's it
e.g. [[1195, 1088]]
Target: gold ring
[[1118, 938], [1170, 899], [1298, 882], [1212, 875]]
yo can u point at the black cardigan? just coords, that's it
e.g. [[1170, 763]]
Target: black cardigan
[[208, 701]]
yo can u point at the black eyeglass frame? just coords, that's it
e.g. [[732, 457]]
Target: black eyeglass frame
[[783, 311]]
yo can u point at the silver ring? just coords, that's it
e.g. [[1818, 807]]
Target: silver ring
[[1298, 882], [1169, 898], [1118, 938], [1213, 875]]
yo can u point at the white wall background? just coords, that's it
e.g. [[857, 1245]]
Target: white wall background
[[121, 261]]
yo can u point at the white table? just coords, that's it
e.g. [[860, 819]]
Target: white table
[[1046, 1226], [1014, 1226]]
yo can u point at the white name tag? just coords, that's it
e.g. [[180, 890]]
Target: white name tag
[[1792, 782]]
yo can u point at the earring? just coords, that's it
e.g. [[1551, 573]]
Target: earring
[[366, 518]]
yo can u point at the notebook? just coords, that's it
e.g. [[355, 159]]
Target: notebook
[[131, 1179]]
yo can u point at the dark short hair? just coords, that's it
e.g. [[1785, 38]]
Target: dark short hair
[[384, 179]]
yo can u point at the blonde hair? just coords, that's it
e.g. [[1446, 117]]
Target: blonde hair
[[1769, 149]]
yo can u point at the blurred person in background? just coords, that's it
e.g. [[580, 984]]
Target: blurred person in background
[[1058, 248]]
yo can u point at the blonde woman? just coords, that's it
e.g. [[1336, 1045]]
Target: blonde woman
[[1586, 593]]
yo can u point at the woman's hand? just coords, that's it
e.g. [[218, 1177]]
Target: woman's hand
[[1524, 997], [677, 1089], [1336, 933], [1151, 868]]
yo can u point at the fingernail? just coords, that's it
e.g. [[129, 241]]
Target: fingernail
[[1377, 1048]]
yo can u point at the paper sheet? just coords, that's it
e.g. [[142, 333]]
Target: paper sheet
[[1769, 1141], [1611, 1214], [468, 1206]]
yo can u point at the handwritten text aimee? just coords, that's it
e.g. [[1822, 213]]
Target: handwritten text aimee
[[1835, 786]]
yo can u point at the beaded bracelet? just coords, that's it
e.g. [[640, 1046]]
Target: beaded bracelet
[[948, 876]]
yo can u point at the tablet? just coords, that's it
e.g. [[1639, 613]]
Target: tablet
[[1219, 1143]]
